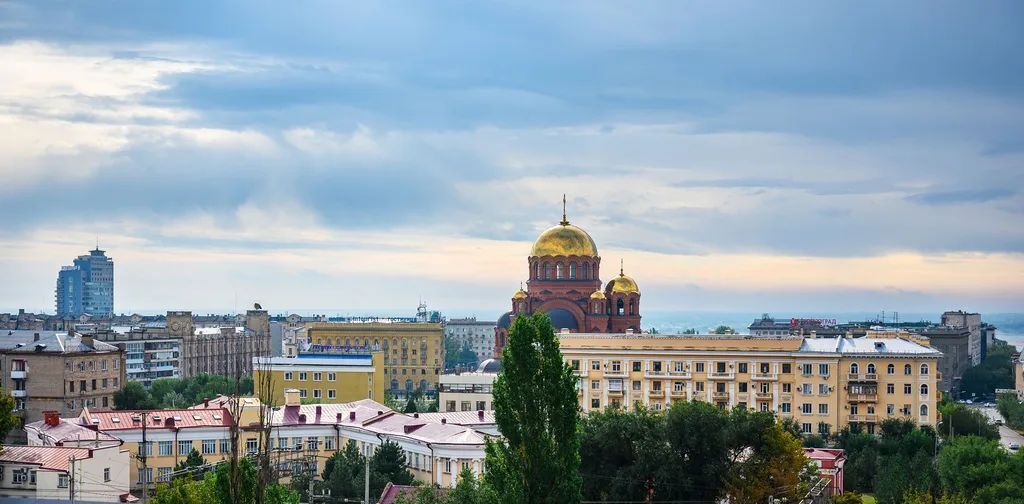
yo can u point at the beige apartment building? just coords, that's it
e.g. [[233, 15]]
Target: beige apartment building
[[222, 350], [821, 384], [48, 370]]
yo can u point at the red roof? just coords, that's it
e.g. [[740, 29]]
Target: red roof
[[824, 453], [48, 458], [156, 419], [392, 492]]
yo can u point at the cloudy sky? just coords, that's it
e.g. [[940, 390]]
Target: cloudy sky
[[349, 156]]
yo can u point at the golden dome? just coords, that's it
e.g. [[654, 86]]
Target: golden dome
[[597, 295], [520, 294], [564, 240], [622, 284]]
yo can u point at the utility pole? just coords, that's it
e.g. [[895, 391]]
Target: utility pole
[[143, 453], [71, 483], [366, 474]]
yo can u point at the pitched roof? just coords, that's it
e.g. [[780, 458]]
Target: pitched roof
[[468, 418], [48, 458], [330, 414], [880, 346], [156, 419], [68, 430]]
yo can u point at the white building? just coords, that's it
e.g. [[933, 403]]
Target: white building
[[469, 391], [478, 334], [64, 474]]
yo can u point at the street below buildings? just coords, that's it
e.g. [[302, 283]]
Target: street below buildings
[[1007, 436]]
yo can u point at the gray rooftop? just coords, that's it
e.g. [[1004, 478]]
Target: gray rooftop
[[22, 340], [877, 346]]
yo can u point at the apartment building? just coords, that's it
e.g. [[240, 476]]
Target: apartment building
[[324, 377], [47, 370], [972, 322], [478, 335], [302, 435], [63, 474], [413, 351], [150, 351], [955, 345], [220, 349], [469, 391], [822, 384]]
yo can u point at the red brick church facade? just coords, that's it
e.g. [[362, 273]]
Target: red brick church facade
[[564, 281]]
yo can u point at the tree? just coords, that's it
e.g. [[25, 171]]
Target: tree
[[995, 372], [343, 472], [970, 465], [388, 464], [133, 396], [958, 419], [1012, 410], [861, 459], [772, 469], [537, 459], [622, 452], [214, 488], [8, 420], [192, 463], [724, 329]]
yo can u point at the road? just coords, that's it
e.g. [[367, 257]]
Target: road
[[1006, 434]]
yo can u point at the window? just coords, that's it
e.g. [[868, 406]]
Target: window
[[924, 389], [656, 366], [637, 365], [805, 428], [104, 383], [636, 384], [700, 367], [785, 407], [572, 270], [302, 376], [924, 411], [328, 443], [318, 376], [743, 387], [448, 465], [317, 393], [823, 389], [616, 366], [595, 403], [303, 393], [166, 448], [890, 388], [924, 369], [787, 388], [890, 369], [575, 364], [806, 369], [332, 376], [20, 476], [559, 273], [823, 428], [595, 365], [225, 445], [678, 386], [787, 368], [906, 388], [699, 386], [288, 376], [595, 384], [890, 408], [823, 409], [62, 481], [743, 367], [719, 367], [184, 447], [766, 368], [620, 307], [209, 446], [805, 408], [331, 394], [163, 474], [146, 448], [251, 445], [823, 369], [297, 443], [854, 368], [145, 475], [106, 474], [313, 443], [907, 370]]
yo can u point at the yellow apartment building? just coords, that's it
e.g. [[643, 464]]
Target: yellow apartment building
[[324, 377], [414, 351], [822, 384]]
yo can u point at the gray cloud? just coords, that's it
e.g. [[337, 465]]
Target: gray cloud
[[961, 196]]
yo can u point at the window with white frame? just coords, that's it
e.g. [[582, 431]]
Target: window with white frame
[[184, 447], [209, 446]]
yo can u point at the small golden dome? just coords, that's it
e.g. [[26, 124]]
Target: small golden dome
[[622, 284], [520, 294], [564, 240], [597, 295]]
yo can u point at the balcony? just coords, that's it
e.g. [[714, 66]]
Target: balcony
[[863, 377], [656, 393], [19, 393], [680, 374], [655, 374], [764, 376], [19, 375], [785, 396], [863, 418], [615, 392], [720, 396], [620, 373], [863, 397], [763, 396], [698, 396], [678, 393], [724, 375]]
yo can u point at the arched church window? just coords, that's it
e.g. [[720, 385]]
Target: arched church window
[[572, 271], [585, 274], [547, 271], [597, 308], [620, 307], [559, 273], [537, 276], [522, 307], [632, 307]]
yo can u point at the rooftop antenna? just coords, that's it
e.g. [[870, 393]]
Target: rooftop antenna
[[565, 220], [622, 267]]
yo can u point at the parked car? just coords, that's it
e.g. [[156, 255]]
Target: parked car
[[1014, 446], [999, 421]]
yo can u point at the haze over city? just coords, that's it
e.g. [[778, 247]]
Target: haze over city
[[345, 157]]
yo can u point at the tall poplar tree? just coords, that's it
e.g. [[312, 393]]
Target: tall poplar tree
[[537, 459]]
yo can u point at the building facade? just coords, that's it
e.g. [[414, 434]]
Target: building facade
[[821, 384], [151, 353], [564, 281], [325, 378], [955, 345], [86, 287], [971, 322], [478, 335], [63, 474], [413, 352], [221, 350], [469, 391], [60, 372]]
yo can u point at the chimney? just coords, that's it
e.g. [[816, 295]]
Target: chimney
[[415, 415], [480, 414], [52, 418], [87, 340], [444, 420], [302, 418], [351, 416], [318, 411], [35, 337], [291, 397], [206, 402]]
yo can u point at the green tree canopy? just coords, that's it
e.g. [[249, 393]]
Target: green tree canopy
[[537, 459], [8, 420], [133, 396]]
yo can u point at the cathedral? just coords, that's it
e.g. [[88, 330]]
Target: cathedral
[[564, 281]]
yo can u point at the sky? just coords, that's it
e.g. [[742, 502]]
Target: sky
[[354, 156]]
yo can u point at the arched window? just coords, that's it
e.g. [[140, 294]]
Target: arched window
[[376, 344], [924, 369], [547, 271], [891, 369], [924, 389], [405, 343], [632, 307], [348, 342], [394, 384], [366, 342], [871, 368], [537, 276], [620, 307], [924, 411], [907, 370], [559, 271], [408, 385], [854, 368], [423, 385], [385, 347], [522, 306], [585, 274], [572, 271], [597, 308]]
